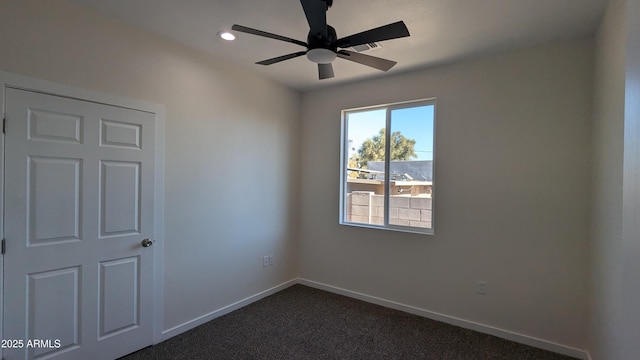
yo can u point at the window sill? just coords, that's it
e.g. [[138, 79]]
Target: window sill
[[396, 228]]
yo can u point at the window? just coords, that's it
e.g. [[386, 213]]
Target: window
[[387, 166]]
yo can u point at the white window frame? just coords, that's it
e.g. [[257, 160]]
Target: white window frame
[[344, 161]]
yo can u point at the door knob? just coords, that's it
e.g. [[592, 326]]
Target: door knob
[[146, 243]]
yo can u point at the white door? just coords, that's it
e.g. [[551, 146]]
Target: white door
[[78, 206]]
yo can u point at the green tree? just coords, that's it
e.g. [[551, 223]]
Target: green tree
[[373, 149], [353, 164]]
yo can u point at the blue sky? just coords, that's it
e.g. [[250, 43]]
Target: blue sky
[[414, 123]]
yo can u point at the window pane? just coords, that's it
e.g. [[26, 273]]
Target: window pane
[[364, 185], [411, 166]]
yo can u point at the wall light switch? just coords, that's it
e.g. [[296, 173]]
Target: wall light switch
[[482, 288]]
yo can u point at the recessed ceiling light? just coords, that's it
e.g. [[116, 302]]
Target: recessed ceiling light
[[226, 35]]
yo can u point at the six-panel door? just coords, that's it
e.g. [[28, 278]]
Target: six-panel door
[[79, 202]]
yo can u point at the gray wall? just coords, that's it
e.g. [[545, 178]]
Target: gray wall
[[512, 177], [615, 316], [231, 137]]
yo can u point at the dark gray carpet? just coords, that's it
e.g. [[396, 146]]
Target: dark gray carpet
[[305, 323]]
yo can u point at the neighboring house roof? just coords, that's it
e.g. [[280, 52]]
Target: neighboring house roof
[[421, 170]]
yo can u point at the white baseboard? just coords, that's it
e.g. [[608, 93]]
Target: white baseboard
[[486, 329], [176, 330]]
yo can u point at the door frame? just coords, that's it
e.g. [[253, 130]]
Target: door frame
[[16, 81]]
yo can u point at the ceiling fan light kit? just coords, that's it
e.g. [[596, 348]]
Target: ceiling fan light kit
[[323, 45], [321, 56]]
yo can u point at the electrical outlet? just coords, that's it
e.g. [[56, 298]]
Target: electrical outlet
[[482, 288], [270, 260], [265, 261]]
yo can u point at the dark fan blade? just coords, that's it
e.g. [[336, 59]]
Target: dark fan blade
[[374, 62], [387, 32], [325, 71], [316, 12], [266, 34], [281, 58]]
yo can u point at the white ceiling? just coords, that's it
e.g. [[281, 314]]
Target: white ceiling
[[441, 30]]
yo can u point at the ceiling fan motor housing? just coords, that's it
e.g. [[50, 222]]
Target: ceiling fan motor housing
[[315, 41], [322, 50]]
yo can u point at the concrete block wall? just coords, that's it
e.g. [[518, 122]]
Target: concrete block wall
[[368, 208]]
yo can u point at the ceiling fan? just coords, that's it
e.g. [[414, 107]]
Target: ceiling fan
[[323, 43]]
